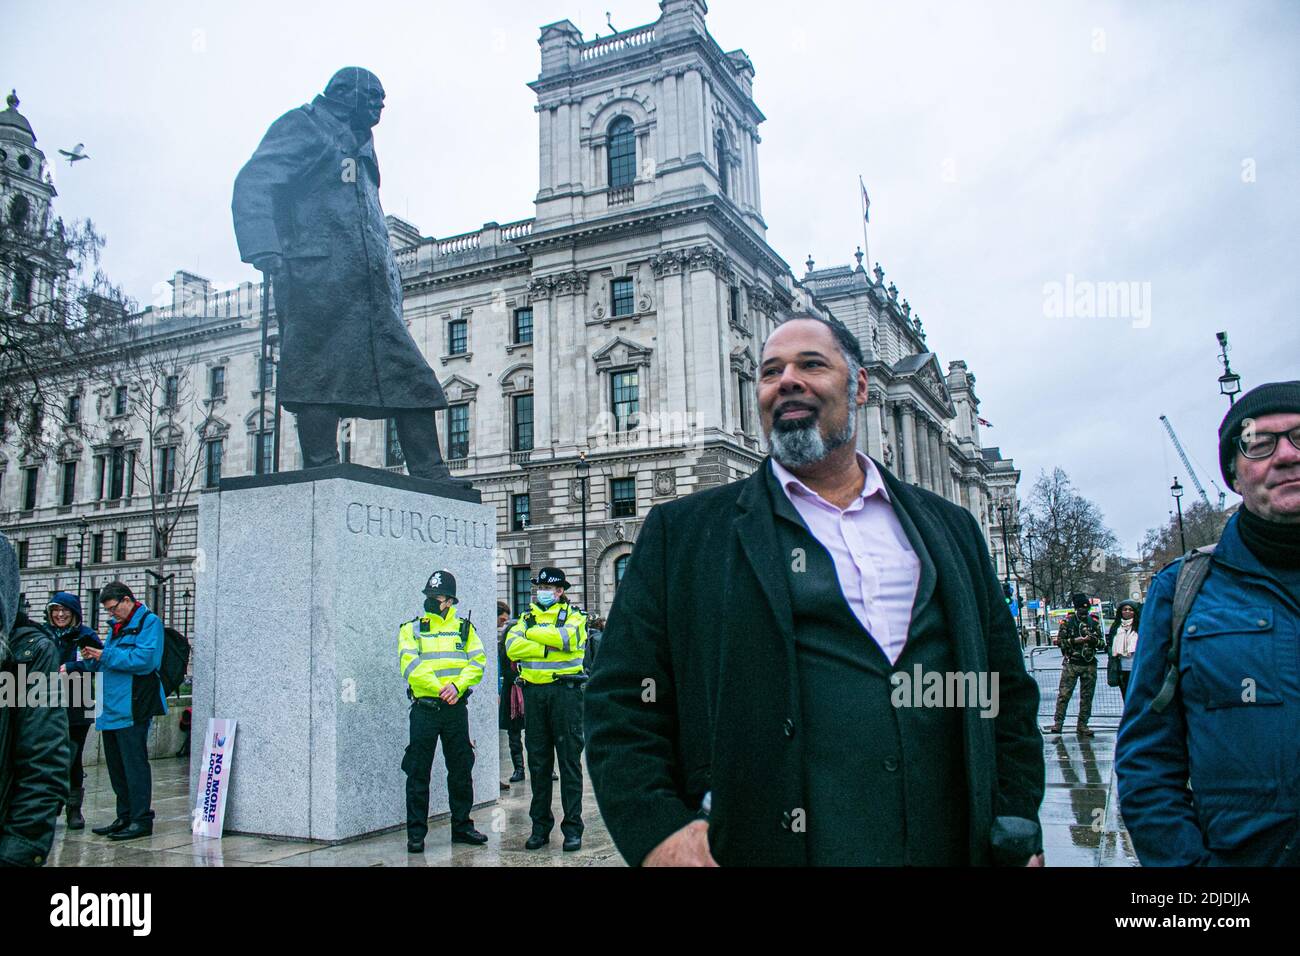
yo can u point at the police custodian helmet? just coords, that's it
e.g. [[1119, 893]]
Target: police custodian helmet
[[441, 582], [551, 577]]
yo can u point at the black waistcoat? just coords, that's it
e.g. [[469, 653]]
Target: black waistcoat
[[884, 785]]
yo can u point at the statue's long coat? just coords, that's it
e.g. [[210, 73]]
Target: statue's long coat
[[311, 194]]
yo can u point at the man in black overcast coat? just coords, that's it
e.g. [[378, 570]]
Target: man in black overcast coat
[[711, 680]]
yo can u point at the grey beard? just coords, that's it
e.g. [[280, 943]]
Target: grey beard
[[804, 445]]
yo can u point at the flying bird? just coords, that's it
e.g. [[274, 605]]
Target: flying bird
[[77, 152]]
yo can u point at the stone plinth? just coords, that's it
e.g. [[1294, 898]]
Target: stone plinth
[[303, 580]]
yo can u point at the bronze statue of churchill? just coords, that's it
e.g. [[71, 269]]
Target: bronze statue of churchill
[[306, 209]]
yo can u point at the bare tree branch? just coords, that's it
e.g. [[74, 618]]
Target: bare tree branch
[[1077, 550], [60, 318]]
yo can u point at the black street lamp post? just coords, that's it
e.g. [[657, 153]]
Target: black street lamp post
[[1006, 548], [1003, 510], [1033, 584], [1229, 381], [185, 599], [82, 525], [584, 467], [1177, 491]]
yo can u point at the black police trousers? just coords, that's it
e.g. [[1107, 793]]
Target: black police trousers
[[553, 728], [430, 722]]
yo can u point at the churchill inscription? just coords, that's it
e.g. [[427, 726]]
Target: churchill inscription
[[379, 521]]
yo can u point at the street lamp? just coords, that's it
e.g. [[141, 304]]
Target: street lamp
[[1033, 584], [1006, 548], [185, 598], [1177, 491], [82, 525], [1229, 381], [584, 467]]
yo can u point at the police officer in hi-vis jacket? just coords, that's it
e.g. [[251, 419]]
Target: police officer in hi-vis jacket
[[442, 659], [548, 641]]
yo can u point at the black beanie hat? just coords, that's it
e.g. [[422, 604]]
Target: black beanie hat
[[1268, 399]]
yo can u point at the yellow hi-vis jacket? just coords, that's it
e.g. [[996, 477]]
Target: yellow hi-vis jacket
[[432, 653], [548, 643]]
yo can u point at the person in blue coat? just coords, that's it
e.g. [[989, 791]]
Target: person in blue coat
[[63, 615], [1214, 777], [132, 697]]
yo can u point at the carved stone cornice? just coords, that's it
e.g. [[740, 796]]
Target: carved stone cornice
[[560, 283], [668, 263], [762, 301], [694, 259], [742, 361], [707, 257]]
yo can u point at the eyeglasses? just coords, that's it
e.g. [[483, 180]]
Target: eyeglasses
[[110, 608], [1263, 444]]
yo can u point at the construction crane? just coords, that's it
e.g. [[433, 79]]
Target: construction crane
[[1178, 447], [1222, 497]]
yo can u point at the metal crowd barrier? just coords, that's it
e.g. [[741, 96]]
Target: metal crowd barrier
[[1044, 665]]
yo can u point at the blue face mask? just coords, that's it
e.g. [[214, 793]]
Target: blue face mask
[[545, 598]]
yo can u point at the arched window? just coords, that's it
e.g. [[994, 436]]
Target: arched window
[[18, 211], [622, 153], [620, 568], [24, 279], [720, 141]]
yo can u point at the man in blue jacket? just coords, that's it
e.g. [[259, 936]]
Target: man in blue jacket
[[133, 695], [1210, 774]]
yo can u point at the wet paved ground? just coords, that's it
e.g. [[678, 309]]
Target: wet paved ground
[[1080, 811], [1080, 818], [506, 825]]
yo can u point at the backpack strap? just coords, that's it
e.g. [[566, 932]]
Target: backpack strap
[[1192, 574]]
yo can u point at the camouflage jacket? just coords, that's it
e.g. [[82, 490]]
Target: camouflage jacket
[[1078, 651]]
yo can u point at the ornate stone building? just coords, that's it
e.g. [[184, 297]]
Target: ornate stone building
[[29, 270], [600, 356]]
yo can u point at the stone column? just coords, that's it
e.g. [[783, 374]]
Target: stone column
[[671, 351], [544, 375], [936, 461], [908, 444], [703, 329], [871, 420], [561, 147], [945, 460], [925, 460], [972, 501], [546, 152]]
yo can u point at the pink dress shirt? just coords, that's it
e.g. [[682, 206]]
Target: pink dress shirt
[[877, 569]]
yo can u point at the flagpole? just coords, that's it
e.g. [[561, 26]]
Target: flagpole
[[862, 189]]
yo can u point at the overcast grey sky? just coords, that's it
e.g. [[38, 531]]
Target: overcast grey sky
[[1006, 146]]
